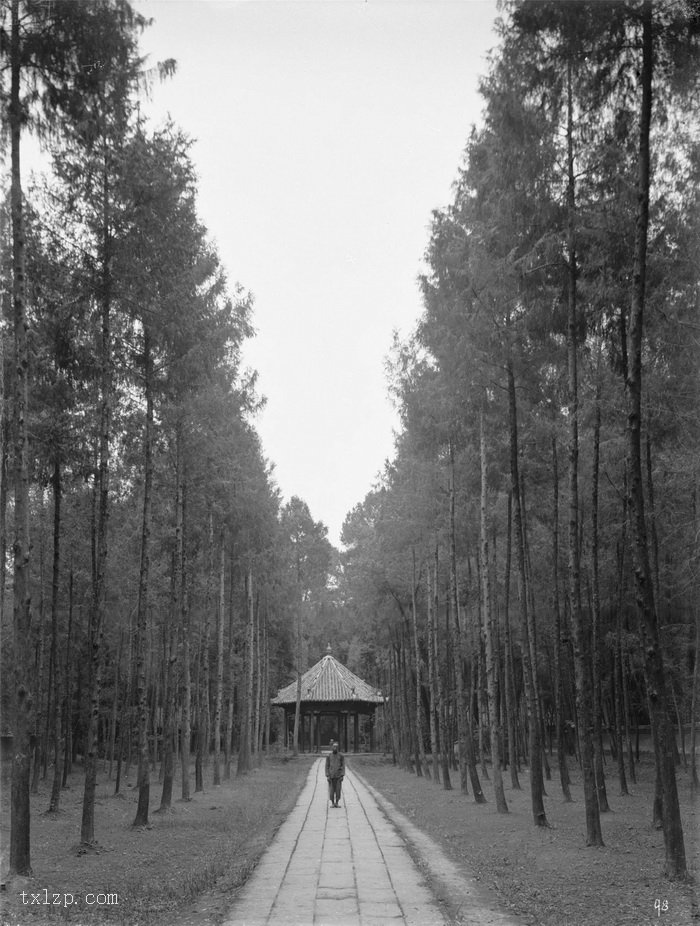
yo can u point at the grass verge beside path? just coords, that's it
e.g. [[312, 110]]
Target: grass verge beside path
[[184, 868], [549, 875]]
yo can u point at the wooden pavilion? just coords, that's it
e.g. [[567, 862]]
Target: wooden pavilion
[[333, 699]]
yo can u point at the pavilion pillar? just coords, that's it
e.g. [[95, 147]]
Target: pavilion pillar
[[356, 732], [371, 732]]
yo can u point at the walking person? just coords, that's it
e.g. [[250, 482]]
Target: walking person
[[335, 772]]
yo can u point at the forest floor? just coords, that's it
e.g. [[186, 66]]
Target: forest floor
[[548, 875], [182, 868], [186, 866]]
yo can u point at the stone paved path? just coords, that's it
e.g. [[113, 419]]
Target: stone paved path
[[345, 867]]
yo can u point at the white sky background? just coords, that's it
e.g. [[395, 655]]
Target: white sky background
[[326, 133]]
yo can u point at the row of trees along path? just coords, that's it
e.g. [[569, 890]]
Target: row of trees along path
[[530, 556], [153, 604], [525, 569]]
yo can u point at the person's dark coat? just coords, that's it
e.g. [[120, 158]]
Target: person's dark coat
[[335, 765]]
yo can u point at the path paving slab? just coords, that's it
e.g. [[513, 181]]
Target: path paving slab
[[346, 866]]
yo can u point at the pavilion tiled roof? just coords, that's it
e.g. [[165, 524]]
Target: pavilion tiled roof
[[328, 681]]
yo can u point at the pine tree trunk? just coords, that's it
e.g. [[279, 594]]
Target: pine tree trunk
[[582, 672], [114, 715], [254, 604], [68, 705], [405, 676], [695, 696], [246, 706], [467, 756], [510, 700], [144, 783], [170, 629], [39, 675], [203, 667], [49, 692], [184, 618], [450, 650], [266, 686], [198, 777], [466, 759], [22, 719], [78, 735], [621, 587], [478, 695], [4, 466], [55, 799], [432, 649], [628, 732], [491, 652], [694, 779], [400, 720], [121, 738], [404, 714], [616, 689], [219, 663], [124, 751], [404, 730], [675, 862], [154, 678], [534, 749], [532, 633], [681, 732], [258, 689], [115, 706], [618, 704], [419, 756], [297, 710], [652, 518], [393, 712], [231, 679], [558, 705], [99, 592], [595, 641]]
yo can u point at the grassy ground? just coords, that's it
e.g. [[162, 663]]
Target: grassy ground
[[549, 876], [184, 867]]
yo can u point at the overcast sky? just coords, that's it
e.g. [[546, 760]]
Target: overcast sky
[[326, 133]]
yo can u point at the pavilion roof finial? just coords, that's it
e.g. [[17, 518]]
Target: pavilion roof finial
[[329, 650]]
